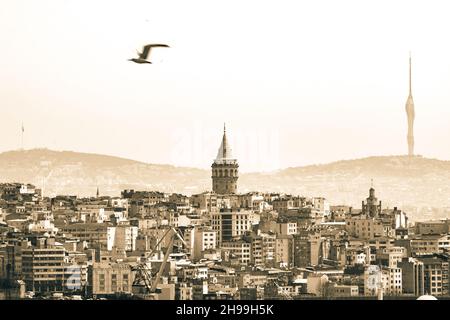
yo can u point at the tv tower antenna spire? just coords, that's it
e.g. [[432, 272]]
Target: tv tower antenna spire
[[410, 114]]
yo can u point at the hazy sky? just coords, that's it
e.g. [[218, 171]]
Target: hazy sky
[[297, 82]]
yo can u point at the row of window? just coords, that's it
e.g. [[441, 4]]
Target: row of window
[[224, 172], [113, 277]]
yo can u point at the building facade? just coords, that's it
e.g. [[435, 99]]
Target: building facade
[[108, 278], [43, 266], [230, 223]]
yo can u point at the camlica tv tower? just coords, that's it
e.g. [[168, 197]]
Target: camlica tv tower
[[410, 115]]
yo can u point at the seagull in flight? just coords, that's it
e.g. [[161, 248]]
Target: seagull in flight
[[143, 56]]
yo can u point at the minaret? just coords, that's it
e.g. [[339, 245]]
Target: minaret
[[410, 114], [224, 172]]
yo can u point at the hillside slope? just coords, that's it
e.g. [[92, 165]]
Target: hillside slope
[[398, 180]]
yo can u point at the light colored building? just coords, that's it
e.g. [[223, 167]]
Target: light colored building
[[429, 244], [93, 233], [262, 249], [377, 278], [391, 256], [230, 223], [147, 223], [43, 266], [344, 291], [358, 256], [253, 279], [436, 274], [106, 278], [252, 201], [27, 189], [122, 237], [284, 256], [43, 226], [204, 201], [283, 204], [288, 228], [173, 219], [117, 202], [200, 239], [340, 212], [374, 280], [322, 205], [395, 278], [239, 250], [364, 228], [316, 284], [381, 243]]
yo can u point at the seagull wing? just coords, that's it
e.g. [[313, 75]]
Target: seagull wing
[[159, 45], [146, 50]]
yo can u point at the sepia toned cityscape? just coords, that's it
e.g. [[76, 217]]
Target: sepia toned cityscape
[[216, 245], [326, 184]]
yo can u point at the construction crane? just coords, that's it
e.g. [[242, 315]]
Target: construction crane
[[143, 277]]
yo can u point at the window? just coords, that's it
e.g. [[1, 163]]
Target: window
[[102, 282], [125, 281], [114, 282]]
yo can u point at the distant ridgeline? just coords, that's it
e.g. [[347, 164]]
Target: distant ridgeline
[[406, 182]]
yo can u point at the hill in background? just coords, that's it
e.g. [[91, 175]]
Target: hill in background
[[399, 180]]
